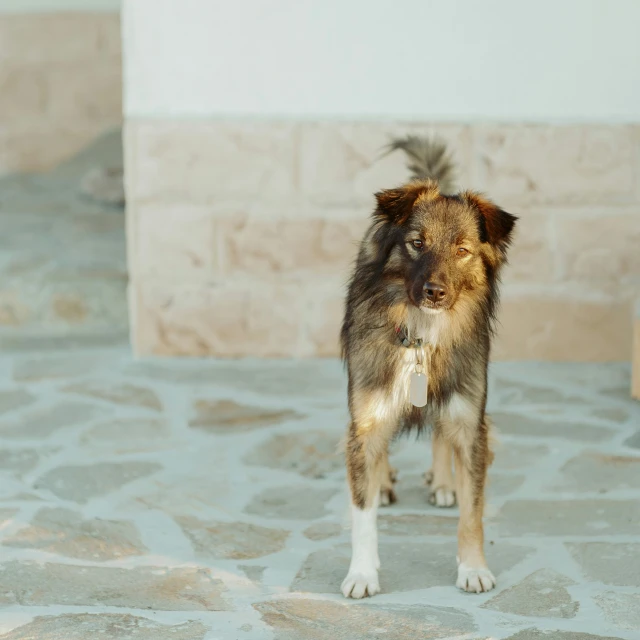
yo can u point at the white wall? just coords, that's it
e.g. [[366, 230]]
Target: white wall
[[566, 60], [42, 6]]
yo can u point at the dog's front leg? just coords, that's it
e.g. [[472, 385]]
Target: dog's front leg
[[463, 423], [366, 457], [471, 462]]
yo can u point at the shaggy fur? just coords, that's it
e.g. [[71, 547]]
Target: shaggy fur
[[428, 268]]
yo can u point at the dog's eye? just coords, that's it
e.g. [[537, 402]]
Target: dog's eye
[[418, 244], [462, 252]]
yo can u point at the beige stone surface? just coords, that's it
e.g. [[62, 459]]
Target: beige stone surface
[[205, 162], [61, 83], [175, 241], [557, 164], [635, 356], [32, 38], [148, 587], [600, 250], [65, 532], [284, 246], [115, 626], [543, 328], [241, 234], [228, 319]]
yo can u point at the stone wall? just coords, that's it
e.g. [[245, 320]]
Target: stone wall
[[61, 85], [240, 234]]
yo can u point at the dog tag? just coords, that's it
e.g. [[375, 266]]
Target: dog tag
[[418, 389]]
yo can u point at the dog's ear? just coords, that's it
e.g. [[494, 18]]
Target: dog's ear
[[495, 224], [395, 205]]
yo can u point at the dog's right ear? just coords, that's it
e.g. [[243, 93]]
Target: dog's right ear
[[395, 205]]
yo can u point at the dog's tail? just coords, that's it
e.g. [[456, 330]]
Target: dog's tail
[[428, 158]]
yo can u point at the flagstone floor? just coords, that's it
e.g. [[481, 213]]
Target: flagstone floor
[[198, 500]]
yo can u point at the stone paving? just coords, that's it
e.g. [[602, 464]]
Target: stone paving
[[197, 500]]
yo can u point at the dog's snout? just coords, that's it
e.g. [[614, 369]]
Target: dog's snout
[[434, 292]]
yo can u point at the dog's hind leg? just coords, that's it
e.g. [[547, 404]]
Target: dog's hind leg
[[388, 477], [367, 461], [442, 491]]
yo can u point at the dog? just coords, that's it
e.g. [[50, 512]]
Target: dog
[[419, 318]]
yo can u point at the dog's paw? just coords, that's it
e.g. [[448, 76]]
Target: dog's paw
[[475, 580], [428, 477], [442, 496], [359, 585], [387, 497]]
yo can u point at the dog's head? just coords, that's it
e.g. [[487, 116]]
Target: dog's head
[[442, 248]]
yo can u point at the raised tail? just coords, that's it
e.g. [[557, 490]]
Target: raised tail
[[428, 158]]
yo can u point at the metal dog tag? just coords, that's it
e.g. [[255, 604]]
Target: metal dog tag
[[418, 389]]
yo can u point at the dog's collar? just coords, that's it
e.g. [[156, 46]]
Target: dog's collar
[[403, 336]]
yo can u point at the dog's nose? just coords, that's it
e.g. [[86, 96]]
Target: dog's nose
[[435, 292]]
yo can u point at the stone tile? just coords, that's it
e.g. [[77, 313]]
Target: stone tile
[[500, 485], [321, 245], [233, 540], [585, 260], [541, 594], [82, 626], [594, 471], [14, 399], [514, 456], [42, 423], [410, 524], [227, 416], [313, 454], [291, 502], [612, 563], [569, 517], [55, 366], [81, 483], [65, 532], [323, 530], [553, 328], [129, 435], [550, 164], [310, 378], [181, 589], [252, 161], [620, 609], [122, 393], [296, 618], [537, 634], [19, 461], [515, 393], [406, 566], [254, 573], [515, 424], [633, 441], [610, 414]]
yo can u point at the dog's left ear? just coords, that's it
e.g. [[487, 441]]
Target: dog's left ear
[[396, 205], [496, 225]]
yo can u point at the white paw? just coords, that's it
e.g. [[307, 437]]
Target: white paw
[[358, 585], [475, 580], [442, 496]]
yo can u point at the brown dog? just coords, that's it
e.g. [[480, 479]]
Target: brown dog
[[416, 336]]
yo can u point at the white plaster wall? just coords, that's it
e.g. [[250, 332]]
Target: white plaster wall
[[548, 60], [42, 6]]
